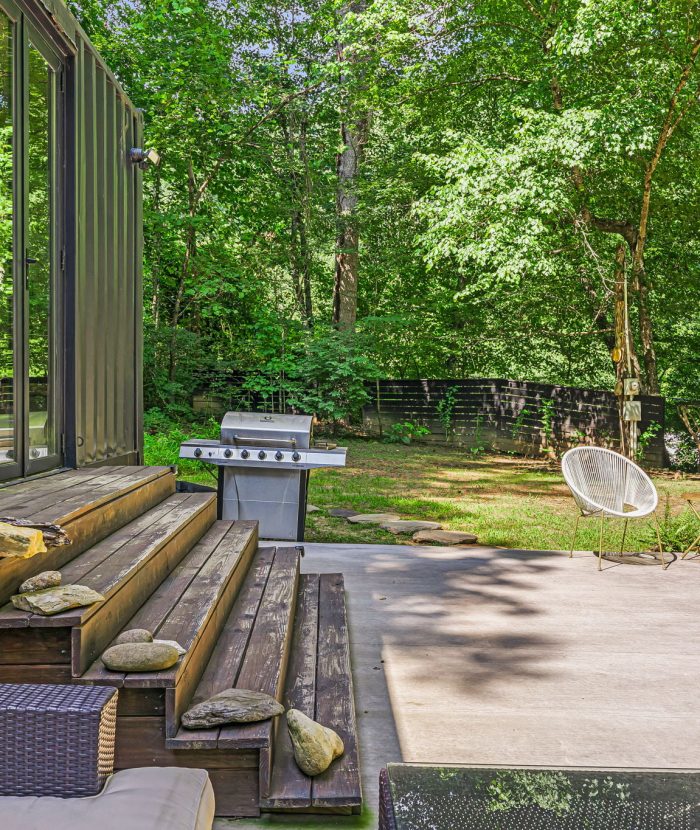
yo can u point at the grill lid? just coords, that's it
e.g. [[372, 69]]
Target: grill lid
[[265, 429]]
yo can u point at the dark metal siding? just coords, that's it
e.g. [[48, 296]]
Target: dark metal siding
[[104, 248]]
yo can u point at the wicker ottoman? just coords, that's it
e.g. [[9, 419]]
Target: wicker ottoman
[[56, 740]]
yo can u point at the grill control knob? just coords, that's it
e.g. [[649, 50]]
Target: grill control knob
[[295, 456], [228, 453], [262, 455], [244, 453], [279, 455], [197, 452]]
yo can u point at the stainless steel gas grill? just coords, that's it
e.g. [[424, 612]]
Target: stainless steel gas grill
[[264, 462]]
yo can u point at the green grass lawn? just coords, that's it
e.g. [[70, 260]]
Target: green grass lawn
[[506, 501]]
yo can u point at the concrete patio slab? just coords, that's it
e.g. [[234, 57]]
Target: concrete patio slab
[[484, 656]]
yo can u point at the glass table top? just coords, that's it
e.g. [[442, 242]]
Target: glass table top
[[476, 798]]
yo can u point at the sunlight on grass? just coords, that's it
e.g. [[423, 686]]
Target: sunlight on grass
[[506, 501]]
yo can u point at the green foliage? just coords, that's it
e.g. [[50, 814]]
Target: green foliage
[[645, 438], [519, 423], [510, 789], [547, 420], [404, 432], [446, 410], [677, 530], [501, 137]]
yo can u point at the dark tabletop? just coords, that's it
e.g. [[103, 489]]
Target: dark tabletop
[[471, 798]]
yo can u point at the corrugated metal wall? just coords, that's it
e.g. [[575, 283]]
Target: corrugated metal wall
[[108, 304], [104, 248]]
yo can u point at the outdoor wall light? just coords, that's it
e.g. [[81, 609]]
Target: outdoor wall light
[[144, 157]]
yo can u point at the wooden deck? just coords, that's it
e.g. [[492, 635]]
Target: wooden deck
[[496, 657], [163, 562]]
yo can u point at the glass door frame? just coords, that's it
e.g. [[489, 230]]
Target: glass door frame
[[56, 153], [24, 31]]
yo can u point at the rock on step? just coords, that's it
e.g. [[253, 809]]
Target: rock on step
[[140, 657], [315, 746], [232, 706], [40, 582], [20, 542], [54, 600]]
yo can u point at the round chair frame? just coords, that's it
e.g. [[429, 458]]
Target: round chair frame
[[605, 484]]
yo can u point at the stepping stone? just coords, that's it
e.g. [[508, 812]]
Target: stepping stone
[[409, 526], [447, 537], [373, 518], [342, 512], [311, 508]]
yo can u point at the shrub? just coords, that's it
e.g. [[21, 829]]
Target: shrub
[[404, 432]]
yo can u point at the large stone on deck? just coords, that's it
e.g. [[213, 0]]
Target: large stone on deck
[[374, 518], [20, 542], [315, 746], [409, 526], [445, 537], [40, 582], [134, 635], [130, 657], [232, 706], [54, 600]]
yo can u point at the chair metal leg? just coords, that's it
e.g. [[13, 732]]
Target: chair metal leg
[[697, 538], [600, 545], [573, 541], [664, 564], [691, 546], [624, 534]]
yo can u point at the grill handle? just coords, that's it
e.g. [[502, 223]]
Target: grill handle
[[264, 442]]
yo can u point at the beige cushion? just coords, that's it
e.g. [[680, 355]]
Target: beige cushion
[[150, 798]]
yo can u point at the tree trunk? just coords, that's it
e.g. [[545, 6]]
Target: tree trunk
[[627, 364], [300, 254], [347, 254], [354, 129]]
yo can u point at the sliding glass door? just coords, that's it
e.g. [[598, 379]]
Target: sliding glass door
[[31, 119]]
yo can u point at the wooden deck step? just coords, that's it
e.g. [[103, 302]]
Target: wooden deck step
[[190, 606], [320, 685], [252, 653], [90, 504], [125, 568]]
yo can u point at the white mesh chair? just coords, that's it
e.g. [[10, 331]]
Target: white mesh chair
[[605, 484]]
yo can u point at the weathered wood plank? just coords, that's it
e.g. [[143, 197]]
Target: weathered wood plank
[[289, 787], [87, 529], [35, 673], [236, 792], [226, 659], [340, 785], [76, 570], [265, 661], [265, 664], [21, 492], [190, 668], [80, 494], [139, 567], [141, 743], [99, 490], [43, 646]]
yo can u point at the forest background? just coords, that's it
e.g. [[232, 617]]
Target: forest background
[[413, 188]]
